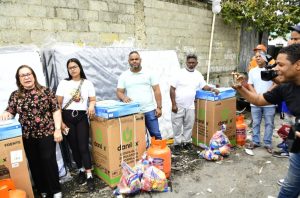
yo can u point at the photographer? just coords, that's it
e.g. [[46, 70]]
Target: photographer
[[288, 71], [259, 86]]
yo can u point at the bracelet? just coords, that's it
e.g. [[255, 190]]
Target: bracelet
[[159, 107]]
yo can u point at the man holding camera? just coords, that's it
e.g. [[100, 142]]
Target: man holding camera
[[259, 86], [288, 71]]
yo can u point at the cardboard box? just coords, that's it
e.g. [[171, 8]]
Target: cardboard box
[[113, 139], [13, 161], [217, 113]]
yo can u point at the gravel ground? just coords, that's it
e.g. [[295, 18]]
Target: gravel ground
[[239, 175]]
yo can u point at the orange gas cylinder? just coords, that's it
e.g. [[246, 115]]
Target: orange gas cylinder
[[161, 155], [8, 190], [241, 135]]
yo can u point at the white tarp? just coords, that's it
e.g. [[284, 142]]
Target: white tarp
[[103, 67]]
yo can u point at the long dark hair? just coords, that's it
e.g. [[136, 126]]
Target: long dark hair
[[75, 60], [21, 89]]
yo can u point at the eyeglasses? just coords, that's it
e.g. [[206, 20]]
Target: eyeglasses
[[72, 68], [25, 75]]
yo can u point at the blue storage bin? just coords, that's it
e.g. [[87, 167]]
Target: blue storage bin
[[114, 109], [10, 129], [209, 95]]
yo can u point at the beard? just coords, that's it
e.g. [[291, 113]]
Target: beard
[[190, 70]]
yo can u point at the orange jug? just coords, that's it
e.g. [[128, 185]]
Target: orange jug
[[161, 155], [8, 190], [241, 135]]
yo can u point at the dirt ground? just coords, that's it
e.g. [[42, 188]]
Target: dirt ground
[[237, 176]]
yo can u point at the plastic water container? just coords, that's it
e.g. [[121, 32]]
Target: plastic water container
[[241, 135], [161, 155]]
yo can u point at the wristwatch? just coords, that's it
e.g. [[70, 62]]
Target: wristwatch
[[159, 107]]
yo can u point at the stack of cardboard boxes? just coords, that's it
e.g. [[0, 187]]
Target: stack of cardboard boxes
[[212, 111], [13, 163], [115, 140]]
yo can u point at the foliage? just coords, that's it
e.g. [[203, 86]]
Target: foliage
[[263, 15]]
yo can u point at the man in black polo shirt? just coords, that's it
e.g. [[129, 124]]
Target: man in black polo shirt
[[288, 70]]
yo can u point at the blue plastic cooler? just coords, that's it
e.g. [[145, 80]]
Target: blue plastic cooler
[[114, 109], [209, 95], [10, 129]]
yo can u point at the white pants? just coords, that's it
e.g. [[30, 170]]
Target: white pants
[[182, 123]]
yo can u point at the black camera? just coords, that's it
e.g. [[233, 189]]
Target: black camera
[[269, 74]]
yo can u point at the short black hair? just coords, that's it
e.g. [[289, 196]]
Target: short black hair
[[191, 56], [292, 52], [133, 52]]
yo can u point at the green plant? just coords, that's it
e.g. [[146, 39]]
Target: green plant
[[271, 16]]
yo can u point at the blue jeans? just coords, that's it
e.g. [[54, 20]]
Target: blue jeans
[[291, 185], [257, 114], [152, 124]]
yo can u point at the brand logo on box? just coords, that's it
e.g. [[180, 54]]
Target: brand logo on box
[[99, 140], [127, 135], [127, 138]]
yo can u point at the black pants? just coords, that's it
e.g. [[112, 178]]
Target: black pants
[[78, 137], [41, 155]]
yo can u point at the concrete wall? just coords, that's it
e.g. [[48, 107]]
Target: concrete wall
[[182, 25]]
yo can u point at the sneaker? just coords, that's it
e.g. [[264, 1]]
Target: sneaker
[[90, 184], [176, 149], [280, 154], [252, 145], [281, 145], [280, 182], [57, 195], [81, 178], [188, 146]]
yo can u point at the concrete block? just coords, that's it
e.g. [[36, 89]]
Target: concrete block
[[77, 25], [29, 23], [36, 11], [99, 27], [90, 38], [130, 9], [7, 23], [50, 12], [126, 37], [39, 36], [66, 13], [113, 7], [13, 10], [64, 36], [15, 37], [109, 37], [73, 4], [83, 4], [117, 28], [110, 17], [88, 15], [54, 3], [129, 29], [32, 2], [131, 2], [98, 5], [126, 18], [54, 24]]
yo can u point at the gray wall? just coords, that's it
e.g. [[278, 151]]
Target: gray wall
[[184, 26]]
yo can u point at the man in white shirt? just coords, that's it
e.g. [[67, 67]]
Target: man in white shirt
[[257, 85], [138, 84], [182, 92]]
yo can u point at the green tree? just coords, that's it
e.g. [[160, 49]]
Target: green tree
[[262, 15]]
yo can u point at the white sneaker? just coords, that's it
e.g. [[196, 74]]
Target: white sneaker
[[57, 195], [280, 182]]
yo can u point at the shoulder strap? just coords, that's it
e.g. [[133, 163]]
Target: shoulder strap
[[77, 91]]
